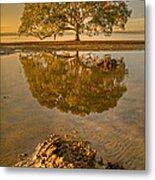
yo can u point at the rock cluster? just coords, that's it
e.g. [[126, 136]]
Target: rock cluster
[[67, 151], [107, 63]]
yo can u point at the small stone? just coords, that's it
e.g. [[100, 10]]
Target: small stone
[[74, 131], [50, 151], [6, 97], [37, 165]]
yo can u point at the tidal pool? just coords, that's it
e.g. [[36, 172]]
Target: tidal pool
[[58, 91]]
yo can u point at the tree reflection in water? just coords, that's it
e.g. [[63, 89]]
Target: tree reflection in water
[[74, 82]]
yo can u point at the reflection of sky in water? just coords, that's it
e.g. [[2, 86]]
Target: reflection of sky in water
[[117, 134]]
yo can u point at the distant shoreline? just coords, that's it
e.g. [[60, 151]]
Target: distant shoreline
[[115, 32], [77, 45]]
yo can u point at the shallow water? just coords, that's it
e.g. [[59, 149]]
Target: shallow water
[[44, 92]]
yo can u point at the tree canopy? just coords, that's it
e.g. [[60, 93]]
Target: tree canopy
[[59, 79], [46, 19]]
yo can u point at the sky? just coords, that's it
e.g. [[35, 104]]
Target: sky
[[11, 13]]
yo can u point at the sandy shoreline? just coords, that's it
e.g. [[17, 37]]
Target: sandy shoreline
[[77, 45]]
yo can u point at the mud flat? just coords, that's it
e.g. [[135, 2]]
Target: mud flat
[[75, 45]]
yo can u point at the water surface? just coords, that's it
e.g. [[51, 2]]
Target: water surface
[[44, 92]]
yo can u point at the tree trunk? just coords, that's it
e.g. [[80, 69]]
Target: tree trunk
[[77, 38], [77, 55]]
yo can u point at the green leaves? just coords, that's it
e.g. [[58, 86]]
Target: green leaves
[[45, 19]]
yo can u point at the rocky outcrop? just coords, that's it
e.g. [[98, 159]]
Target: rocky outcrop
[[67, 151]]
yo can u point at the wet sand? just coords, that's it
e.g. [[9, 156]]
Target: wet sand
[[77, 45], [116, 134]]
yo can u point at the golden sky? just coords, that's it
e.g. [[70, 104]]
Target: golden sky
[[10, 17], [11, 13]]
